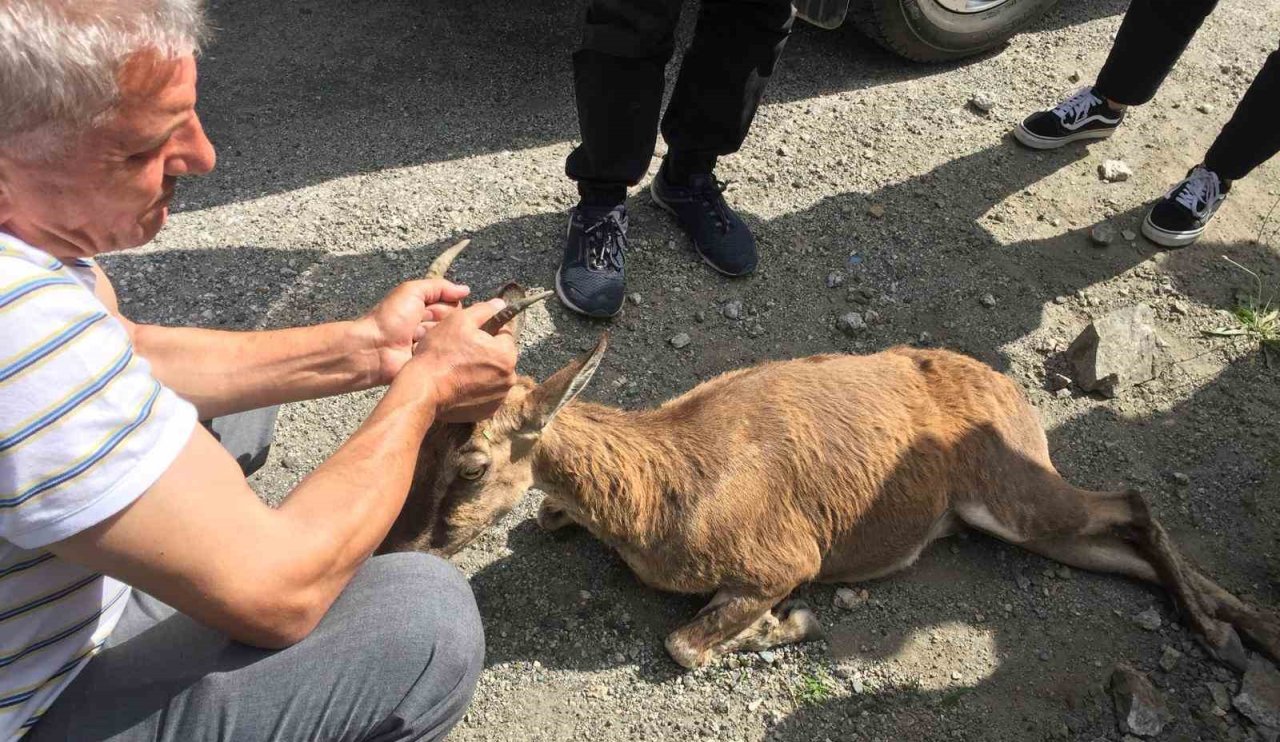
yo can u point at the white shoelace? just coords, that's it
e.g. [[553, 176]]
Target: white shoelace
[[1077, 106], [1199, 192]]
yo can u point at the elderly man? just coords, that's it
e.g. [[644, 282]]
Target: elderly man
[[145, 591]]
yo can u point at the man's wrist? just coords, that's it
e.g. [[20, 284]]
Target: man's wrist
[[367, 346], [419, 386]]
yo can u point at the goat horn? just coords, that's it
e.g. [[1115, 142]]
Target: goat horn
[[509, 312], [440, 265]]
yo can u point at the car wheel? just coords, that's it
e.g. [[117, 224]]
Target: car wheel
[[939, 30]]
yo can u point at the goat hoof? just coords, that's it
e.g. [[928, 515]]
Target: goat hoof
[[551, 518], [684, 654], [1228, 649]]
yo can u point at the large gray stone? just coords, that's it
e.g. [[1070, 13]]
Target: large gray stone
[[1259, 697], [1118, 351], [1139, 708]]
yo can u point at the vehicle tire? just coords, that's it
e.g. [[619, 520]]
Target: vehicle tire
[[941, 30]]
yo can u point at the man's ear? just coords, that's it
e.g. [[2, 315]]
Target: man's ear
[[564, 385]]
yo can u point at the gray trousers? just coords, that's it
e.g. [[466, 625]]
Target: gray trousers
[[397, 657]]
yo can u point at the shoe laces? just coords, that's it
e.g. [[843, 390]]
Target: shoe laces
[[606, 243], [1199, 191], [1077, 106], [711, 193]]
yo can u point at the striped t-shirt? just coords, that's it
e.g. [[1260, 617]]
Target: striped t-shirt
[[84, 430]]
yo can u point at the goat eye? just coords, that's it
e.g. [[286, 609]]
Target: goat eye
[[473, 472]]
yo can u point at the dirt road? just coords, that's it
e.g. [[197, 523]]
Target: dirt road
[[357, 139]]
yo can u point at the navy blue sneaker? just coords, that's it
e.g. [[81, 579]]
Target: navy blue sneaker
[[719, 235], [591, 279], [1083, 115], [1180, 217]]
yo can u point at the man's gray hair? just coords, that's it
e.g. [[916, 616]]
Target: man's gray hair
[[59, 60]]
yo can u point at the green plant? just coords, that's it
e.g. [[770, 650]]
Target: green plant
[[812, 688], [1256, 316]]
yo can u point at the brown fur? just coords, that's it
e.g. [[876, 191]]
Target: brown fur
[[830, 468]]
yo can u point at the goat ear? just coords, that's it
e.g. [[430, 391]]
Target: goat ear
[[564, 385]]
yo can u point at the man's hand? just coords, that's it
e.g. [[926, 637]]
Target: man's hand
[[402, 319], [471, 370]]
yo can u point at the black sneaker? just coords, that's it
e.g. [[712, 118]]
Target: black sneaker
[[1180, 217], [1082, 116], [591, 279], [719, 235]]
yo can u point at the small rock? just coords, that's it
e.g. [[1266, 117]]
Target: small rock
[[755, 331], [1148, 619], [733, 310], [1220, 695], [700, 316], [681, 340], [852, 324], [876, 210], [288, 462], [987, 300], [834, 279], [955, 675], [858, 686], [982, 103], [1102, 234], [1058, 382], [1117, 351], [848, 598], [1129, 234], [755, 705], [1259, 697], [1139, 708], [1205, 108], [1075, 76], [1181, 479], [783, 152], [768, 657], [1022, 581], [584, 595], [871, 316], [860, 295], [636, 299], [1043, 654], [1062, 394], [1115, 171], [1169, 659]]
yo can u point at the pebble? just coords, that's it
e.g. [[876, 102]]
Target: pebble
[[1169, 659], [1022, 581], [755, 331], [1115, 171], [1140, 709], [852, 324], [681, 340], [1205, 108], [1181, 478], [982, 103], [1102, 234], [858, 686], [987, 300], [1220, 695], [835, 279], [955, 675], [733, 310], [876, 210], [636, 299], [768, 657], [848, 598], [1259, 697], [860, 295], [1129, 234], [700, 316], [1062, 393], [1075, 76], [1148, 619], [1058, 382]]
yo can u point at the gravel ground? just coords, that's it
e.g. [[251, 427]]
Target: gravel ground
[[357, 139]]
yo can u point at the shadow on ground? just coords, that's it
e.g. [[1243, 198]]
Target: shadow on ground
[[294, 94]]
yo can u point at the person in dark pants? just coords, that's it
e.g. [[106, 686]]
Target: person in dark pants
[[618, 82], [1151, 38]]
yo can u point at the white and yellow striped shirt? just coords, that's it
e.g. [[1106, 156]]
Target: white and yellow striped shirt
[[85, 429]]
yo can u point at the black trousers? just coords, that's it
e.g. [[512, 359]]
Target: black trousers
[[1152, 37], [619, 79]]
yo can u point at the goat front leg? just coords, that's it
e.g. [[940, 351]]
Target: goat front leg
[[736, 621]]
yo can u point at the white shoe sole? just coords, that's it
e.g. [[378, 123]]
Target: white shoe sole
[[1035, 141], [653, 193], [1165, 238]]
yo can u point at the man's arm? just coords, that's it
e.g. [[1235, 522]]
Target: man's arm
[[200, 539], [224, 372]]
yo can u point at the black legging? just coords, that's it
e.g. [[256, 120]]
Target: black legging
[[619, 79], [1152, 37]]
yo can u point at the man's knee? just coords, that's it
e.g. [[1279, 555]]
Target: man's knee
[[429, 613]]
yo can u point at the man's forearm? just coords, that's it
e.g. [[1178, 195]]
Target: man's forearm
[[225, 372]]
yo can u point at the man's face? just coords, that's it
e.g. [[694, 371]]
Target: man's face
[[111, 189]]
